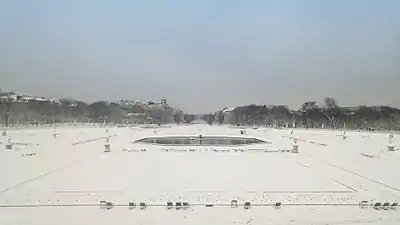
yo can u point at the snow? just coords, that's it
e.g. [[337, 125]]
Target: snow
[[322, 184]]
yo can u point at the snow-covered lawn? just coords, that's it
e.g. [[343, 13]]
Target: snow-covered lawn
[[323, 184]]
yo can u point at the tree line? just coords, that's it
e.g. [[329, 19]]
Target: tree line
[[311, 115], [69, 110]]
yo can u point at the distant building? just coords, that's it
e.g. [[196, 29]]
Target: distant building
[[147, 111], [25, 98], [224, 116]]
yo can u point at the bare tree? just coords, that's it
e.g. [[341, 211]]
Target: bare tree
[[188, 118], [208, 118], [331, 110], [178, 117], [311, 114]]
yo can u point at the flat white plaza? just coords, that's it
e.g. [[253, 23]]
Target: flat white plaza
[[63, 179]]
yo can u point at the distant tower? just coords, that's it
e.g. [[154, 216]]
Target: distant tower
[[164, 101]]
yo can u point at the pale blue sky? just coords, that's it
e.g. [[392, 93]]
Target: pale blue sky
[[203, 55]]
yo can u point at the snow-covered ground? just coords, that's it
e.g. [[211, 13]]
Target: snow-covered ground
[[48, 180]]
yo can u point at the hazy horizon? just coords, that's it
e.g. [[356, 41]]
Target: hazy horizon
[[204, 55]]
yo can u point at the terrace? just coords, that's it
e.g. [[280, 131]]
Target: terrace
[[330, 180]]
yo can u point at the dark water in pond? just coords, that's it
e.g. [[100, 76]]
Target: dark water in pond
[[203, 141]]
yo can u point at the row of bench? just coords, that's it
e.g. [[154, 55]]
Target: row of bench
[[247, 205]]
